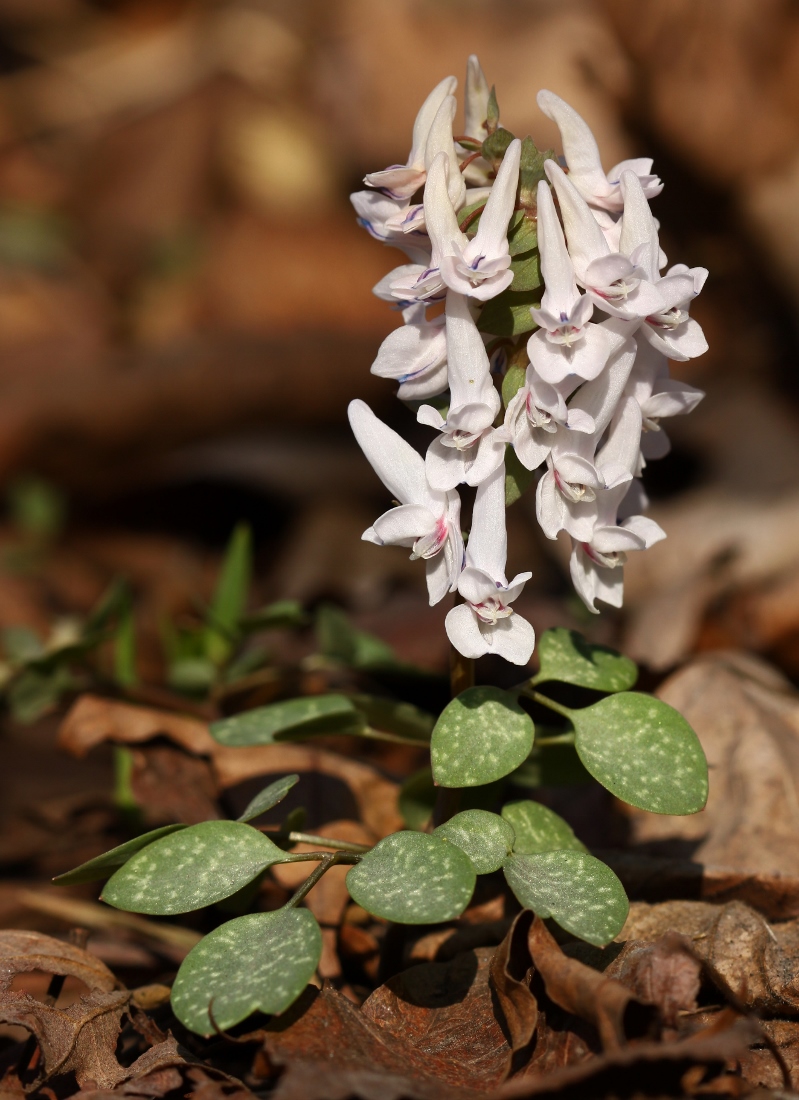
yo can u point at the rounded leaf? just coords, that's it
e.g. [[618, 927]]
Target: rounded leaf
[[644, 752], [565, 655], [539, 829], [413, 878], [188, 870], [417, 799], [104, 865], [259, 962], [578, 891], [486, 838], [294, 718], [482, 735], [269, 797]]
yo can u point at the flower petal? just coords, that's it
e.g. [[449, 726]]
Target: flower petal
[[408, 522], [487, 548], [396, 463], [464, 633], [514, 639]]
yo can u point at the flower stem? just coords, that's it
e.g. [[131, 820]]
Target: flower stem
[[545, 701], [461, 672], [326, 862]]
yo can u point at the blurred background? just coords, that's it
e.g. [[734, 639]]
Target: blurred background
[[185, 304]]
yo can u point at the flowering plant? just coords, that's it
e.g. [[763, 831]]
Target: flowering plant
[[534, 286]]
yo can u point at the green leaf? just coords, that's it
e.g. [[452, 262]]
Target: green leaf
[[522, 233], [192, 675], [644, 752], [402, 719], [578, 891], [33, 693], [555, 765], [417, 799], [36, 507], [496, 145], [270, 796], [513, 381], [102, 866], [258, 962], [194, 868], [565, 655], [492, 111], [518, 478], [339, 639], [125, 648], [480, 736], [539, 829], [413, 878], [531, 172], [526, 270], [21, 644], [486, 838], [310, 716], [230, 596], [279, 615], [509, 313]]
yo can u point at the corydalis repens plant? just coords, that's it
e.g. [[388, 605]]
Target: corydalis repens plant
[[568, 300], [569, 254]]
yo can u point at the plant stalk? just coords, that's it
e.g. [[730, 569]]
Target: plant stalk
[[325, 864]]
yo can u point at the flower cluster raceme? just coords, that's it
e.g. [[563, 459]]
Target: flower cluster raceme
[[549, 271]]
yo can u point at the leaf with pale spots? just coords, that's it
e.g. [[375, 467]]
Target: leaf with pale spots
[[539, 829], [293, 719], [188, 870], [486, 838], [482, 735], [270, 796], [565, 655], [578, 891], [644, 752], [413, 878], [259, 962], [104, 865]]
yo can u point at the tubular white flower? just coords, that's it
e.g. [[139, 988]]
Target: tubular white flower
[[468, 448], [415, 355], [426, 520], [581, 153], [486, 622]]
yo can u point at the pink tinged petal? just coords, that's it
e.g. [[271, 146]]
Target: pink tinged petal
[[408, 522], [584, 576], [583, 234], [642, 300], [557, 269], [645, 528], [579, 147], [475, 100], [638, 226], [487, 548], [426, 116], [410, 350], [550, 507], [438, 578], [445, 467], [514, 639], [576, 470], [490, 238], [440, 140], [396, 463], [469, 370], [464, 633], [687, 341], [586, 359]]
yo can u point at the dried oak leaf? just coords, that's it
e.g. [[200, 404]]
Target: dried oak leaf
[[666, 973], [444, 1012], [751, 961], [510, 973], [21, 952], [328, 1048], [747, 718], [613, 1009]]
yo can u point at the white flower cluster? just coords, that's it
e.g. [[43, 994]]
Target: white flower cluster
[[596, 385]]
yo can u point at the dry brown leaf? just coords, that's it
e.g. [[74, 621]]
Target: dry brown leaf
[[444, 1011], [747, 718], [92, 721], [169, 785], [21, 952], [510, 972], [665, 973]]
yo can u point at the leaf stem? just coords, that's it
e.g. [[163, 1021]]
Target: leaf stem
[[326, 842], [326, 862], [545, 701], [556, 739]]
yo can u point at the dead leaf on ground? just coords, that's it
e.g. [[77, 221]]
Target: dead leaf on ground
[[665, 973], [21, 952], [92, 721], [510, 972]]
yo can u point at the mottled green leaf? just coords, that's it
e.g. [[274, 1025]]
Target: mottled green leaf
[[413, 878], [509, 313], [644, 752], [539, 829], [258, 962], [293, 719], [102, 866], [196, 867], [578, 891], [270, 796], [518, 478], [565, 655], [486, 838], [480, 736]]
